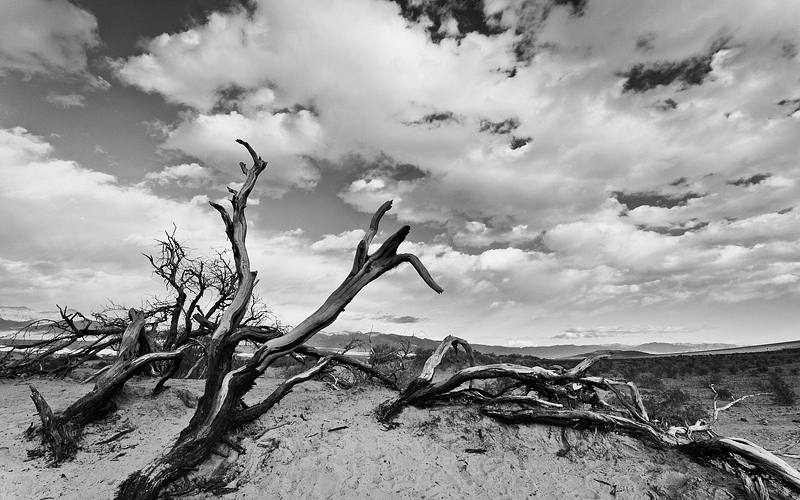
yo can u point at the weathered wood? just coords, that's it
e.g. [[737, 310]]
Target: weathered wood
[[218, 407], [343, 359], [59, 439], [751, 462], [422, 390], [750, 453], [258, 409], [65, 427], [580, 418]]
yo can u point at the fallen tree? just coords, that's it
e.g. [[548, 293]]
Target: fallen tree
[[38, 346], [61, 431], [220, 410], [569, 398]]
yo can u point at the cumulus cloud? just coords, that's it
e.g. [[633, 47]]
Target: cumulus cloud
[[544, 145], [99, 227], [40, 36], [347, 240], [574, 161]]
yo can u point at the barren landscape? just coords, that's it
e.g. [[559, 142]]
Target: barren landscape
[[320, 442]]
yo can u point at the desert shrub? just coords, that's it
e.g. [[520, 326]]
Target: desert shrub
[[724, 393], [782, 391], [649, 381], [382, 354], [674, 407]]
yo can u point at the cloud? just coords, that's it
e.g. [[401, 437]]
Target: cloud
[[99, 226], [400, 320], [41, 36], [573, 162], [544, 146], [187, 175], [576, 333], [347, 240], [66, 100]]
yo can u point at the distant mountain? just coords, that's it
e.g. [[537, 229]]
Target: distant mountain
[[12, 318], [339, 339]]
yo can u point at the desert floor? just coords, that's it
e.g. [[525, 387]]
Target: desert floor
[[324, 443]]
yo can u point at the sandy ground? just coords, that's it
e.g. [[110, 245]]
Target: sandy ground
[[438, 453]]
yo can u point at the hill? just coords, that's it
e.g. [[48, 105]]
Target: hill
[[339, 339]]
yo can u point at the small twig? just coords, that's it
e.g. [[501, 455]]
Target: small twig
[[115, 436], [261, 434], [338, 428]]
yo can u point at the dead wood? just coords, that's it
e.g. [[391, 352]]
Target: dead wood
[[422, 391], [755, 466], [62, 430], [219, 408], [343, 359], [36, 348]]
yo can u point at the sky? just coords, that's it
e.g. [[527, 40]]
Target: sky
[[573, 171]]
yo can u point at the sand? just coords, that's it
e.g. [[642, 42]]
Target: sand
[[433, 454]]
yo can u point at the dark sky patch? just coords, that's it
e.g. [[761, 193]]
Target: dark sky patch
[[407, 172], [400, 320], [678, 230], [644, 43], [122, 25], [437, 119], [789, 50], [228, 99], [750, 181], [690, 71], [293, 110], [667, 104], [504, 127], [654, 199], [577, 8], [518, 142], [383, 166], [792, 104], [679, 182], [468, 14]]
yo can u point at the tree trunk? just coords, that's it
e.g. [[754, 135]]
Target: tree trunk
[[61, 431], [218, 409]]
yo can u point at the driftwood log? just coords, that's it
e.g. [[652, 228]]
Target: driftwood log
[[569, 398], [219, 408], [61, 431]]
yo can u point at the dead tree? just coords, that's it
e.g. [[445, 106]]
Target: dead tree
[[61, 431], [220, 404], [36, 347], [561, 397]]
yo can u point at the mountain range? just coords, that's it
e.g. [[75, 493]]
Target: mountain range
[[339, 339], [12, 318]]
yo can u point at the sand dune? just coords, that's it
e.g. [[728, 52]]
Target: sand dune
[[437, 453]]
